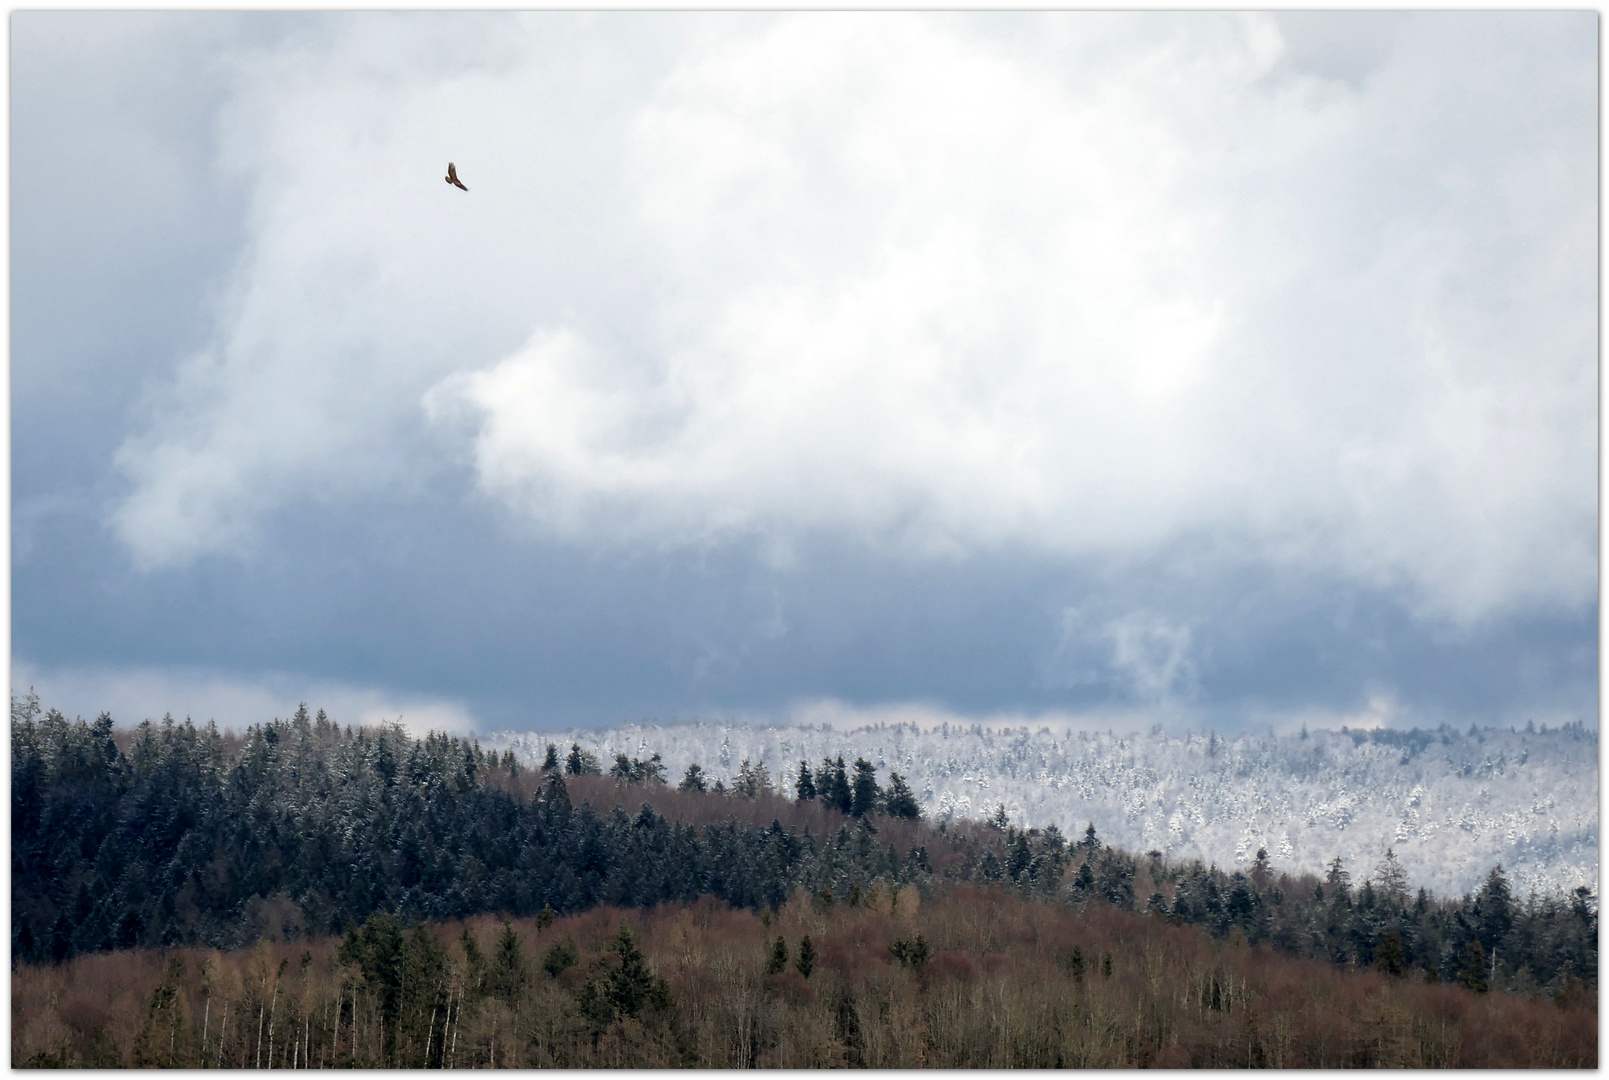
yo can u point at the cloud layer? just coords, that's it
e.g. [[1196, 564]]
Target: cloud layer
[[132, 694], [1090, 286]]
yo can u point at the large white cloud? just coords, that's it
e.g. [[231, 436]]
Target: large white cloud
[[1083, 284]]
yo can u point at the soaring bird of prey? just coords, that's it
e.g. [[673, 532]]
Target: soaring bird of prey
[[452, 177]]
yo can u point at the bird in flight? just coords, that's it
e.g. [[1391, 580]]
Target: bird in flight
[[452, 177]]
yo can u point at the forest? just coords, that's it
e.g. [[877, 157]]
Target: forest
[[405, 899], [968, 976]]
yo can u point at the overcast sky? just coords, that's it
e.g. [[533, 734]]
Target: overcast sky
[[1086, 368]]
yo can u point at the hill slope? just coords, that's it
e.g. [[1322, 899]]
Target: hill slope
[[1450, 804]]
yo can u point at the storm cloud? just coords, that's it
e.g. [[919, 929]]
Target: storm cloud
[[1204, 366]]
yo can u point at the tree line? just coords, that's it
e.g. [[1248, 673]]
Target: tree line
[[830, 783], [175, 834]]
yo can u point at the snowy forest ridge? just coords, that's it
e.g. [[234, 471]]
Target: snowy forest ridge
[[1450, 804]]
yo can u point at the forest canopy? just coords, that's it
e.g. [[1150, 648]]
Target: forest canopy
[[175, 834]]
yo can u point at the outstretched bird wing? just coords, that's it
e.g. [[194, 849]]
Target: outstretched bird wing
[[452, 177]]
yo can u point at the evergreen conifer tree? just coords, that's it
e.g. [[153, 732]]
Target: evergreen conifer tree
[[1472, 967], [900, 801], [832, 784], [865, 794], [807, 956], [693, 779], [1337, 878], [631, 986], [1389, 956], [752, 780], [910, 952], [1391, 880], [560, 957], [1494, 908], [1261, 869], [555, 796], [376, 948], [778, 958], [424, 986], [651, 771], [581, 763], [806, 784], [1018, 854], [508, 977]]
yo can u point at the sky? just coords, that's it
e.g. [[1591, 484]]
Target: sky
[[1092, 368]]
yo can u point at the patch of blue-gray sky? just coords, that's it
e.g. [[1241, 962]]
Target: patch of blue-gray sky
[[1126, 368]]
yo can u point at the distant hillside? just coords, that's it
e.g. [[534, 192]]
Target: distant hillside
[[1451, 804]]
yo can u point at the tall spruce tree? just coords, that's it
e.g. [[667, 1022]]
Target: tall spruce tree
[[833, 784], [805, 786], [509, 975], [865, 796], [806, 963], [899, 801]]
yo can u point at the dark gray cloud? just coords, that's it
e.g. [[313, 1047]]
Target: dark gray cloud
[[441, 600], [678, 411]]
